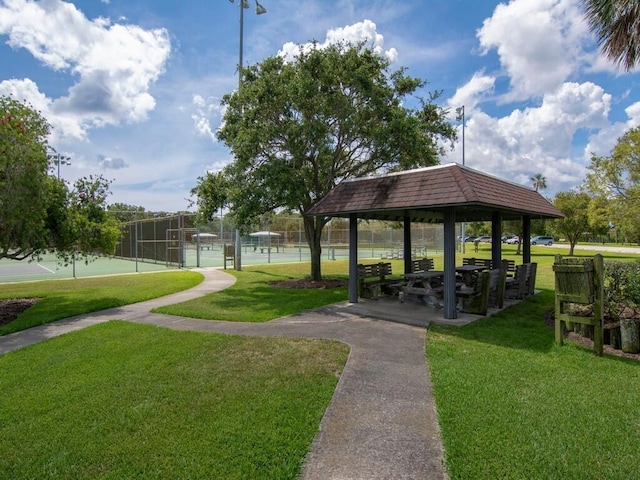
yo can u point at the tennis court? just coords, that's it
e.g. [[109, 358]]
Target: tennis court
[[48, 268]]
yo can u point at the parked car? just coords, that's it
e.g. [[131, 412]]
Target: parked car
[[470, 239], [514, 240], [484, 239], [542, 240]]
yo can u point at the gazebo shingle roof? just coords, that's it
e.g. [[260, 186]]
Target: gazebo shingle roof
[[423, 195]]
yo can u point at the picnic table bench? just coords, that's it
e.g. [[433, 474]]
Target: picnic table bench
[[481, 262], [421, 265], [508, 264], [522, 284], [475, 298], [373, 278]]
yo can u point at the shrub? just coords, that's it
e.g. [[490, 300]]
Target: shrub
[[621, 287]]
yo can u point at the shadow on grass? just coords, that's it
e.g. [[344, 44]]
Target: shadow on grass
[[521, 326]]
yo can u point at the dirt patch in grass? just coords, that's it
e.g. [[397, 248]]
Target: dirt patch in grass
[[306, 283], [11, 308]]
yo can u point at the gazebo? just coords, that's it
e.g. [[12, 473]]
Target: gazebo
[[445, 194]]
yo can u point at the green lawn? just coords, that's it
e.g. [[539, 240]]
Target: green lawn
[[120, 400], [252, 299], [514, 405], [66, 298], [511, 403]]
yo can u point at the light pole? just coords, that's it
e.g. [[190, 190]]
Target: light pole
[[242, 4], [460, 112], [60, 160]]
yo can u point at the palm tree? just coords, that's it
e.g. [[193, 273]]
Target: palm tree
[[615, 22], [539, 182]]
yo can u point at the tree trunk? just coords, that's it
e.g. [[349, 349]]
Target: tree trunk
[[313, 233]]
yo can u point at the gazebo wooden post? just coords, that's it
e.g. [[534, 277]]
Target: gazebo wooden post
[[496, 239], [526, 239], [407, 244], [450, 310], [353, 257]]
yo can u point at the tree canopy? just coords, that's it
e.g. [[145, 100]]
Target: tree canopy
[[574, 205], [617, 178], [615, 23], [298, 129], [38, 212], [25, 189], [539, 182]]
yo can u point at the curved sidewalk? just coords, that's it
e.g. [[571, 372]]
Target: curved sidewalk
[[381, 422]]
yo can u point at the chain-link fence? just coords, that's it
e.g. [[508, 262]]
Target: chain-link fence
[[176, 241]]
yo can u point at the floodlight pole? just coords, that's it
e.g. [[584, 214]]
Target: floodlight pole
[[460, 112], [61, 160], [242, 4]]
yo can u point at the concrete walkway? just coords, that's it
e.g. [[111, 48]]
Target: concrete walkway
[[381, 422]]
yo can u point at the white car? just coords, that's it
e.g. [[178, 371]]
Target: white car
[[542, 240], [512, 240]]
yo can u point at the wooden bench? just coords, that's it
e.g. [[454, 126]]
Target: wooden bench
[[531, 278], [373, 278], [485, 262], [475, 299], [509, 266], [522, 284], [421, 265], [497, 287]]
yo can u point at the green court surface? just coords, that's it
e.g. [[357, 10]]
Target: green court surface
[[48, 267]]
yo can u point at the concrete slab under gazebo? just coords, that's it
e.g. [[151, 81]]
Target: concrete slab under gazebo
[[441, 194]]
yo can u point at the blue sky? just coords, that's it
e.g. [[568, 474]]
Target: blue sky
[[133, 87]]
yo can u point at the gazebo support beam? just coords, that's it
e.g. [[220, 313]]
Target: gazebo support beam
[[407, 244], [496, 238], [353, 258], [450, 310], [526, 239]]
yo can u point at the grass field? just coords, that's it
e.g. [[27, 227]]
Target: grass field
[[511, 403], [66, 298], [120, 400], [514, 405], [252, 299]]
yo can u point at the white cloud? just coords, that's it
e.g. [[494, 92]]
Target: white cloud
[[539, 43], [109, 163], [365, 31], [472, 92], [206, 112], [602, 142], [115, 64], [537, 139]]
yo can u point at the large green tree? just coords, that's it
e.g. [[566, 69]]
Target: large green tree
[[38, 212], [616, 25], [574, 206], [617, 178], [297, 129], [24, 184]]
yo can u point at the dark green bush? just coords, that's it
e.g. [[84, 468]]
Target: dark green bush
[[621, 286]]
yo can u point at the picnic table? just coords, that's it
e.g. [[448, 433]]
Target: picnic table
[[421, 284], [468, 273]]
